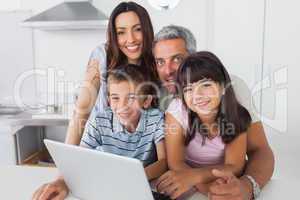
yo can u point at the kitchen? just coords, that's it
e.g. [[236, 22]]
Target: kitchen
[[44, 63]]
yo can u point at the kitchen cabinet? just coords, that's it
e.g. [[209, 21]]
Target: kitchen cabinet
[[280, 96], [258, 41], [22, 135]]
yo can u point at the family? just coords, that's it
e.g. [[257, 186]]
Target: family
[[156, 99]]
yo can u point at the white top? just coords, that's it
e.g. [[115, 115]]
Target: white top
[[99, 53]]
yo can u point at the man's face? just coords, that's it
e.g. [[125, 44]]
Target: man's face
[[168, 56]]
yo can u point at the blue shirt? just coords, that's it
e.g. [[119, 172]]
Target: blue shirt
[[104, 132]]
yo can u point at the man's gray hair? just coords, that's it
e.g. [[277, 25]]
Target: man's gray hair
[[175, 32]]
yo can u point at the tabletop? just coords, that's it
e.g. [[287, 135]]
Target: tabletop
[[19, 183]]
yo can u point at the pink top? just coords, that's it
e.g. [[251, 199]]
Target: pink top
[[198, 155]]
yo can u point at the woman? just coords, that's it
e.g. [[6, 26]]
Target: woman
[[208, 127], [129, 41]]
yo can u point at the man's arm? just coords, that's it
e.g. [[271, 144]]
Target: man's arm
[[261, 162], [260, 166]]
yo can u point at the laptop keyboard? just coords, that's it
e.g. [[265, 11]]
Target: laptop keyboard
[[159, 196]]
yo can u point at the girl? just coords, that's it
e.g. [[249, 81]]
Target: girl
[[205, 128], [129, 40]]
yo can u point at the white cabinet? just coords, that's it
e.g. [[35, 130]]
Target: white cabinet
[[281, 64], [18, 143], [8, 154], [259, 41], [280, 102]]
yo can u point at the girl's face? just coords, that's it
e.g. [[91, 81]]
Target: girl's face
[[129, 35], [203, 97]]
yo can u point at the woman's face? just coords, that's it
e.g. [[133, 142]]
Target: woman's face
[[203, 97], [129, 35]]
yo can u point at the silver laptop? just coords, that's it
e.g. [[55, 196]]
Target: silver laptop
[[94, 175]]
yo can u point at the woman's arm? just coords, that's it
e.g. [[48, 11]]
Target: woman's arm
[[156, 169], [85, 102]]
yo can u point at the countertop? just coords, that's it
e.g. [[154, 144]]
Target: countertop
[[15, 122]]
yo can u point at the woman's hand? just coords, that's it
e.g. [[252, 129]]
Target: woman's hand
[[56, 190], [88, 90], [92, 72], [175, 183]]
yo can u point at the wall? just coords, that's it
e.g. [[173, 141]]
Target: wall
[[10, 5]]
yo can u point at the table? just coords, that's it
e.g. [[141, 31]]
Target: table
[[19, 183]]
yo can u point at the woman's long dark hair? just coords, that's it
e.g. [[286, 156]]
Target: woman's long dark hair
[[115, 56], [232, 118]]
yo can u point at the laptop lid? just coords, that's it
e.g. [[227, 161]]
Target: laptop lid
[[94, 175]]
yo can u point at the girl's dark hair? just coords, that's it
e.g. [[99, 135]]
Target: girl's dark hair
[[137, 75], [232, 118], [115, 57]]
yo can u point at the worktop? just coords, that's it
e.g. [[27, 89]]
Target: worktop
[[21, 135]]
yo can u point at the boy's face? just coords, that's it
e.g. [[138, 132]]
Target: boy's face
[[125, 103]]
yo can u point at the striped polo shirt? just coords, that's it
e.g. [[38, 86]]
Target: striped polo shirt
[[104, 132]]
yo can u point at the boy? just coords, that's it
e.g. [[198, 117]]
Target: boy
[[130, 126]]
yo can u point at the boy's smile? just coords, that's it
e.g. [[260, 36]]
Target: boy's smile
[[125, 103]]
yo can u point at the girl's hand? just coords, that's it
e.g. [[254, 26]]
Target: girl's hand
[[175, 183]]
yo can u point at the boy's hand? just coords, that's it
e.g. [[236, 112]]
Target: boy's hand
[[56, 190]]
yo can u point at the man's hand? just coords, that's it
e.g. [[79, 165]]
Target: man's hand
[[56, 190], [229, 187], [175, 183]]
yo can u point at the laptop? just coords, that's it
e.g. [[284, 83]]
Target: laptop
[[94, 175]]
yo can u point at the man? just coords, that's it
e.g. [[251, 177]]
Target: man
[[171, 45]]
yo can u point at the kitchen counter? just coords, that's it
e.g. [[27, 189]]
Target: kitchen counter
[[21, 135], [13, 123]]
